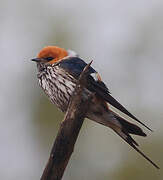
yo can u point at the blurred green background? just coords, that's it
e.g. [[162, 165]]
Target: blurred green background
[[124, 38]]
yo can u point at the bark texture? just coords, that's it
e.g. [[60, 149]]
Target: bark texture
[[68, 132]]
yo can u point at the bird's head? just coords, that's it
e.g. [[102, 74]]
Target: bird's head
[[52, 54]]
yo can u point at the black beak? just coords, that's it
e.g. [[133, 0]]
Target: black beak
[[38, 60]]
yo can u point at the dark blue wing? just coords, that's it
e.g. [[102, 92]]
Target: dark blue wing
[[75, 66]]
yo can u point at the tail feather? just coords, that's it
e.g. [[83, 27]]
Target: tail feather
[[130, 127], [117, 105], [126, 137], [103, 115], [124, 132]]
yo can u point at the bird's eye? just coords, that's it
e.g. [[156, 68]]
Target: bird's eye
[[49, 58]]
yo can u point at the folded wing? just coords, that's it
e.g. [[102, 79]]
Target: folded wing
[[75, 66]]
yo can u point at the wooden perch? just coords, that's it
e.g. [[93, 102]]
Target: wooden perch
[[68, 132]]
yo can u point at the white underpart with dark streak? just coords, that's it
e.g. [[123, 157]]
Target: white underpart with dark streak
[[57, 84]]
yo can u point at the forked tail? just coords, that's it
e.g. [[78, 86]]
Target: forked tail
[[125, 131]]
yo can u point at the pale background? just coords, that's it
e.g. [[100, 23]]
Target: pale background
[[125, 40]]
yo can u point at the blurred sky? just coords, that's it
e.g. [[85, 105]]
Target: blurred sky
[[124, 38]]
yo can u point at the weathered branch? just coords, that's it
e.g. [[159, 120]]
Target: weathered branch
[[68, 132]]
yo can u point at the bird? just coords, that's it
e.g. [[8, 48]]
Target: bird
[[58, 72]]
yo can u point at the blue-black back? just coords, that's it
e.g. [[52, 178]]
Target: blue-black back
[[75, 66]]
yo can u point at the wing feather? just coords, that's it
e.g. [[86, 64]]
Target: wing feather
[[75, 66]]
